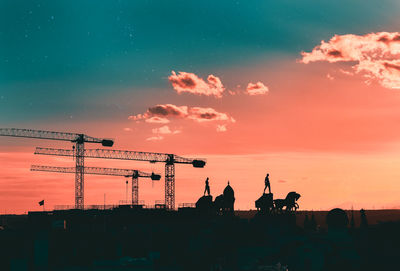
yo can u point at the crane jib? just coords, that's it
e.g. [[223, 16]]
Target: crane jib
[[51, 135], [169, 159], [79, 139], [125, 155]]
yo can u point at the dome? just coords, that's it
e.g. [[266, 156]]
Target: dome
[[337, 218], [228, 192]]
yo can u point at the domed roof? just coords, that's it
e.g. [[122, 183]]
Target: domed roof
[[337, 218], [228, 191]]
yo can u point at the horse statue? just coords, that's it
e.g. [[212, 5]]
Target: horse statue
[[290, 202]]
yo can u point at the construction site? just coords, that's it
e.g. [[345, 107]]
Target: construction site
[[206, 235]]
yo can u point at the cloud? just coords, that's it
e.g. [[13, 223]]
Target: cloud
[[128, 129], [165, 130], [164, 110], [256, 89], [140, 117], [346, 72], [221, 128], [282, 181], [376, 55], [191, 83], [157, 120], [330, 77], [168, 111], [155, 138], [160, 113], [203, 114]]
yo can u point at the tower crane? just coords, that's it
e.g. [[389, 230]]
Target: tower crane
[[169, 159], [132, 173], [78, 139]]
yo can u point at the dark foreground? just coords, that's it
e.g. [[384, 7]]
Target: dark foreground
[[132, 239]]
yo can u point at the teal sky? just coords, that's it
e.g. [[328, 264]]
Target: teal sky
[[56, 57]]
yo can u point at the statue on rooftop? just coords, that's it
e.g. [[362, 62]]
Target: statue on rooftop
[[207, 188], [267, 184]]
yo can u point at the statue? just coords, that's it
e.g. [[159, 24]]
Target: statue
[[205, 203], [290, 202], [267, 184], [207, 188]]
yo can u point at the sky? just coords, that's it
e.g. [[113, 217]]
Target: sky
[[307, 91]]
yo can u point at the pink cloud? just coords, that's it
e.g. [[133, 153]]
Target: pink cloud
[[221, 128], [330, 77], [256, 89], [376, 55], [191, 83], [199, 114], [164, 110], [202, 114], [160, 113], [155, 138], [157, 120], [165, 130], [346, 72]]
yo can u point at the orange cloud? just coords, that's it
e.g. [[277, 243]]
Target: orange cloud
[[377, 55], [191, 83], [199, 114], [256, 89]]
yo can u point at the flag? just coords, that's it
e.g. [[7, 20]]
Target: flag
[[41, 203]]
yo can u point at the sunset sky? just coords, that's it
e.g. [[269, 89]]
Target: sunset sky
[[308, 91]]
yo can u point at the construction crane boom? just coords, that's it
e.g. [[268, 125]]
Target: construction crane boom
[[95, 171], [78, 139], [134, 174], [39, 134], [169, 159], [152, 157]]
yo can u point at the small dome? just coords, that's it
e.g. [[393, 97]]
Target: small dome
[[337, 218], [228, 192]]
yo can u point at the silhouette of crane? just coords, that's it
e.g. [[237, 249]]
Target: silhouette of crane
[[134, 174], [169, 159], [79, 149]]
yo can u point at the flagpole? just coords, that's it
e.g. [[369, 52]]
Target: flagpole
[[41, 203]]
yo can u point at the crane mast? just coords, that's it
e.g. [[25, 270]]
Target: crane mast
[[169, 159], [79, 150], [79, 172], [134, 174]]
